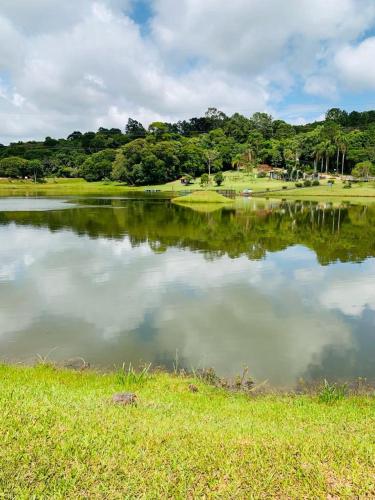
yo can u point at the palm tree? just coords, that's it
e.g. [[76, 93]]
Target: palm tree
[[343, 145], [237, 161]]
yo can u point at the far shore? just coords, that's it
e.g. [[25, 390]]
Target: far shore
[[238, 183]]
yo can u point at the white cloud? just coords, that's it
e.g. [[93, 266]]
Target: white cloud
[[104, 298], [351, 300], [356, 65], [321, 86], [77, 65]]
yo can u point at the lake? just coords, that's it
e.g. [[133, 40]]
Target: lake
[[285, 288]]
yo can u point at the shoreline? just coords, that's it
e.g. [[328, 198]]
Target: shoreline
[[260, 189]]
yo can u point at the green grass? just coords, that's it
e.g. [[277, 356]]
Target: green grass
[[237, 181], [60, 187], [202, 197], [362, 189], [62, 437], [232, 180]]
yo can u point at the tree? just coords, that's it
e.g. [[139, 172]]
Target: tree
[[364, 169], [98, 166], [134, 129], [192, 157], [35, 169], [219, 178], [14, 167], [263, 123], [211, 156], [255, 142], [238, 127], [143, 162]]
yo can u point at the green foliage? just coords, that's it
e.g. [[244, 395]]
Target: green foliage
[[315, 182], [364, 169], [331, 393], [307, 183], [15, 167], [205, 180], [213, 142], [98, 166], [299, 184], [219, 178], [141, 162]]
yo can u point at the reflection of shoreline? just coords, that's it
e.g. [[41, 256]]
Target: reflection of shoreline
[[346, 233]]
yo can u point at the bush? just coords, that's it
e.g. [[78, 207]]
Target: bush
[[261, 175], [347, 186], [331, 181], [307, 183], [363, 169], [285, 187], [219, 178], [315, 183], [298, 184], [204, 180]]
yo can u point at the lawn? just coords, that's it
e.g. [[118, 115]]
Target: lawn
[[237, 181], [361, 189], [60, 187], [63, 437]]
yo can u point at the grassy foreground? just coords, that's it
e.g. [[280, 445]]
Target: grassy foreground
[[62, 437]]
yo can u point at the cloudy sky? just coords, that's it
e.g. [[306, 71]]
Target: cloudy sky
[[87, 63]]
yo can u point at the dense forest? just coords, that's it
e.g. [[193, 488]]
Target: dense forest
[[343, 143]]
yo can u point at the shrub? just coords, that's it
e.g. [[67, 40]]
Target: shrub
[[315, 182], [219, 178], [261, 175], [307, 183], [363, 169], [347, 186], [285, 187], [204, 180], [331, 181], [298, 184]]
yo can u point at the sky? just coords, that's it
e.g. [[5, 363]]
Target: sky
[[79, 65]]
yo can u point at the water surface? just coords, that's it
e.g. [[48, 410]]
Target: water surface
[[287, 289]]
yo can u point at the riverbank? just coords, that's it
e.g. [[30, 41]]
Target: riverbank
[[62, 436]]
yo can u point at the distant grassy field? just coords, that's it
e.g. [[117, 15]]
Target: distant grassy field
[[63, 437], [59, 187], [232, 180], [237, 181]]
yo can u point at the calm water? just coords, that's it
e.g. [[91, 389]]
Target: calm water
[[287, 289]]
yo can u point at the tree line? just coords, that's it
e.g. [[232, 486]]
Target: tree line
[[342, 143]]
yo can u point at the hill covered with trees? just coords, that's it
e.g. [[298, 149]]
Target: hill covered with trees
[[343, 143]]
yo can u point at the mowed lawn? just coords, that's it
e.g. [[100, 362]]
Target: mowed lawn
[[63, 437]]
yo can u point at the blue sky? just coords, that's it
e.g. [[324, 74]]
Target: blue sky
[[79, 65]]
